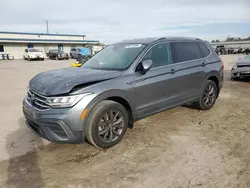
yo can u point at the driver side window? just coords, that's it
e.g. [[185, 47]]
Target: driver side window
[[160, 55]]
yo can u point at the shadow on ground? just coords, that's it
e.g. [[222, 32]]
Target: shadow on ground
[[23, 171]]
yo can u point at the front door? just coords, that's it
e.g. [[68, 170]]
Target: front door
[[154, 90]]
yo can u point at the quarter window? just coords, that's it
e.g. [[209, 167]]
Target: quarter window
[[204, 50], [185, 51], [159, 54], [1, 48]]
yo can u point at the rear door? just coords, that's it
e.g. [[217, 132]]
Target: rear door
[[154, 90], [189, 69]]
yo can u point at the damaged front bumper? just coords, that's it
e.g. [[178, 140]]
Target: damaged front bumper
[[240, 72]]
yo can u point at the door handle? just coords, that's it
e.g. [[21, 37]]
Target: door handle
[[203, 64]]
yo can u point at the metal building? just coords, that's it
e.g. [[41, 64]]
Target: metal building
[[15, 43]]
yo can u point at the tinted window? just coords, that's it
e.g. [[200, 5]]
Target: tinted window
[[185, 51], [33, 50], [159, 54], [1, 48], [204, 50]]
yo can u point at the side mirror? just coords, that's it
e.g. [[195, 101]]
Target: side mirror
[[146, 65]]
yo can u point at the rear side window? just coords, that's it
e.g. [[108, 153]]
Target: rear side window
[[204, 50], [185, 51]]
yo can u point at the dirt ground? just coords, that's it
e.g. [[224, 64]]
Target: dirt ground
[[179, 148]]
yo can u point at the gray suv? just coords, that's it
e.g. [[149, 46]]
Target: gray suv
[[123, 83]]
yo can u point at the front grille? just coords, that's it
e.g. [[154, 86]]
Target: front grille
[[243, 66], [38, 101]]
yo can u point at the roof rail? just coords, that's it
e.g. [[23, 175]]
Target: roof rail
[[161, 38]]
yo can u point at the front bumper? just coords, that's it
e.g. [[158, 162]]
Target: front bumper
[[62, 125], [36, 57], [240, 72]]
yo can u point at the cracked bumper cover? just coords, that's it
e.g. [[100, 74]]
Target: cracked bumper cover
[[240, 72]]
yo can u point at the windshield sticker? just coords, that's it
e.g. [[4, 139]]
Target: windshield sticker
[[133, 46]]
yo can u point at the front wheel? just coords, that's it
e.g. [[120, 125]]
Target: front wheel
[[106, 124], [208, 96]]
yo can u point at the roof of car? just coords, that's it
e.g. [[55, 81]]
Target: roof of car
[[153, 39]]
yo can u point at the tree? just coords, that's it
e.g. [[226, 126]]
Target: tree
[[217, 40]]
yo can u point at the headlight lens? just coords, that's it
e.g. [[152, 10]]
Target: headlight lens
[[65, 101]]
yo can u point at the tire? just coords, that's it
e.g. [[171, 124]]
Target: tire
[[98, 130], [207, 103], [71, 57], [42, 59]]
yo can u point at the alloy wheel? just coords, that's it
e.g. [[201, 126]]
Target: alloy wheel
[[209, 95], [111, 125]]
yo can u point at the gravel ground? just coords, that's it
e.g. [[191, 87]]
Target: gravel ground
[[181, 147]]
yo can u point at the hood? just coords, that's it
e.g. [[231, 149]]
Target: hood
[[61, 81], [243, 62]]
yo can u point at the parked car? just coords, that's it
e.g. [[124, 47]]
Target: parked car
[[230, 51], [246, 51], [220, 50], [79, 52], [33, 54], [124, 82], [80, 61], [57, 54], [241, 69], [74, 53]]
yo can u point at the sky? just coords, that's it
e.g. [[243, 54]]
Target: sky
[[113, 20]]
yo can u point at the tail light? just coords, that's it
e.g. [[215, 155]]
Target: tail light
[[222, 65]]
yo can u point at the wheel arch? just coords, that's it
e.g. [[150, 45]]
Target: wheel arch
[[119, 97], [214, 76]]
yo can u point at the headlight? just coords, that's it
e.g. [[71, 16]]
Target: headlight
[[67, 101]]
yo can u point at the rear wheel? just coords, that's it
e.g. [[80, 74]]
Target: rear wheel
[[106, 124], [208, 96]]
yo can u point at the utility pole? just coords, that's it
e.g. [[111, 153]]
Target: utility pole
[[47, 25]]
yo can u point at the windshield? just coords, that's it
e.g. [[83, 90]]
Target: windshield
[[247, 57], [34, 50], [115, 57]]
